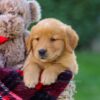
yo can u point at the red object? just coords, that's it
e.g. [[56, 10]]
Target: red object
[[20, 72], [6, 98], [39, 86], [3, 39]]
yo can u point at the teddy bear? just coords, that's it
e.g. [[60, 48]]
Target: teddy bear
[[15, 18]]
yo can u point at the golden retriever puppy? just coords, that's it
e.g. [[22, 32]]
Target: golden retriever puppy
[[51, 47]]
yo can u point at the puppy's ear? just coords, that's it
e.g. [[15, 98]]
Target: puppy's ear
[[72, 38], [35, 10], [29, 43]]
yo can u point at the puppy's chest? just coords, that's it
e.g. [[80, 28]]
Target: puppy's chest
[[63, 61], [45, 65]]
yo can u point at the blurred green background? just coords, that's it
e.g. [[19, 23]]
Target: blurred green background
[[84, 17]]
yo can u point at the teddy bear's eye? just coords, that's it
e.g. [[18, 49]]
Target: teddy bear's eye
[[1, 13], [19, 13]]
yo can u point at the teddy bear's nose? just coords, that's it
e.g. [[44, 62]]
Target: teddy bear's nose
[[42, 52]]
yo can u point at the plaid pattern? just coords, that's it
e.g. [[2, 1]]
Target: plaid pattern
[[13, 88], [6, 94]]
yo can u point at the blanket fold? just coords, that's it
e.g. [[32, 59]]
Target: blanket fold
[[13, 88]]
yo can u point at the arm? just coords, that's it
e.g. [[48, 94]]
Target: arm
[[51, 73], [31, 72]]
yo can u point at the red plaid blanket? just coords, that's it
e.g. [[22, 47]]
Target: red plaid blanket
[[13, 88]]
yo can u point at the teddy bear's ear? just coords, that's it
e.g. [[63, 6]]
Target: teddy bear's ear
[[72, 38], [35, 10]]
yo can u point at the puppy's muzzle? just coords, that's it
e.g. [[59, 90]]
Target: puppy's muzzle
[[42, 53]]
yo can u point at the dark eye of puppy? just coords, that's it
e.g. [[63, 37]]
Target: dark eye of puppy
[[37, 39], [53, 39]]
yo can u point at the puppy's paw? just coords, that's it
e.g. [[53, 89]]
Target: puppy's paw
[[31, 80], [48, 78]]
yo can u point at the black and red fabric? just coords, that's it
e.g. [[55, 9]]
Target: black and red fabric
[[12, 86]]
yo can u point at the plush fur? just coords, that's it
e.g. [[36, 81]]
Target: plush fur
[[59, 41], [15, 17]]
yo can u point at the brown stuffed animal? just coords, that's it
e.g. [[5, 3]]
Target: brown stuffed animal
[[15, 18]]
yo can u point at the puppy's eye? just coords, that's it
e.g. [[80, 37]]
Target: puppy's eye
[[53, 39], [37, 39]]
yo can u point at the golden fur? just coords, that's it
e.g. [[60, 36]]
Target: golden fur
[[59, 40]]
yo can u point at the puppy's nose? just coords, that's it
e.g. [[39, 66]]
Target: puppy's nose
[[42, 52]]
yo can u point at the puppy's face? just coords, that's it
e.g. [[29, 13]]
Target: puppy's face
[[48, 40], [47, 43], [47, 46]]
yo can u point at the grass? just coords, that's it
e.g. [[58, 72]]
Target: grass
[[88, 79]]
